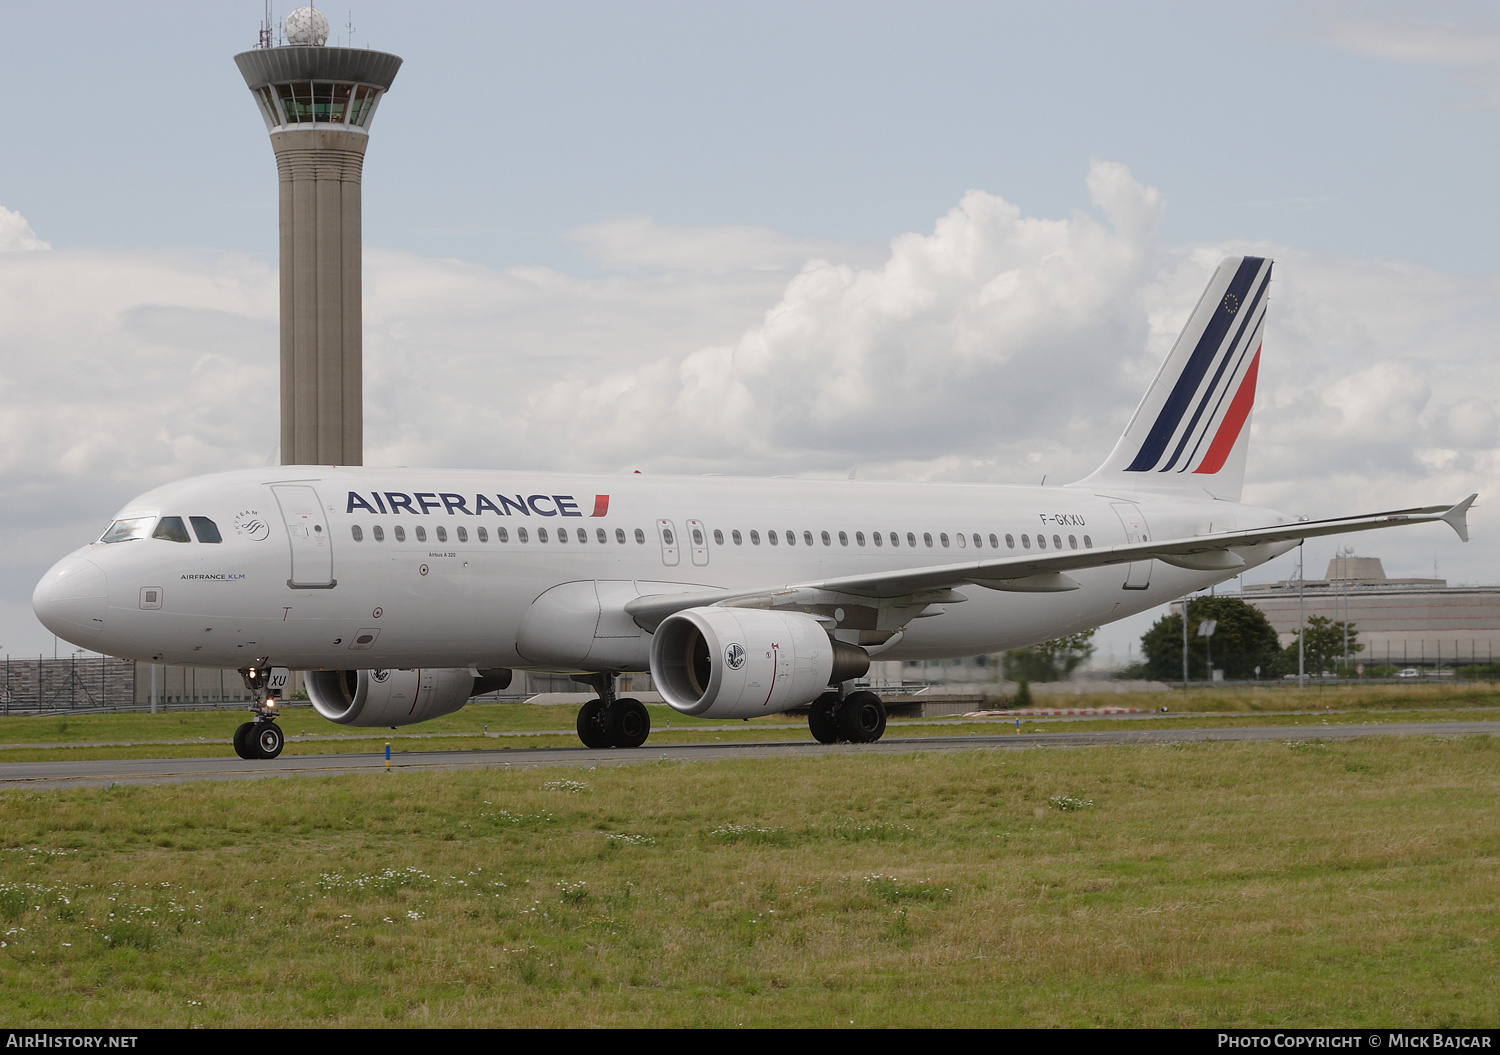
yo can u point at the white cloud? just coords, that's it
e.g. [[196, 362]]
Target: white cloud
[[1411, 41], [1475, 52], [16, 234], [997, 346]]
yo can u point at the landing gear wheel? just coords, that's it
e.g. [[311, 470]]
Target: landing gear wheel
[[822, 718], [242, 740], [265, 739], [861, 718], [627, 723], [591, 728]]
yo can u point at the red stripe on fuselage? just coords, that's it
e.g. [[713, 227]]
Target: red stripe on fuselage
[[1234, 421], [601, 505]]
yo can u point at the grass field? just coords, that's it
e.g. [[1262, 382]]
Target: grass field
[[1300, 883]]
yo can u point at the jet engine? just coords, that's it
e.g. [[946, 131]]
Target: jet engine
[[396, 697], [744, 662]]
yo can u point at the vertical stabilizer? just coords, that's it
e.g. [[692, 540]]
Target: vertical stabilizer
[[1191, 431]]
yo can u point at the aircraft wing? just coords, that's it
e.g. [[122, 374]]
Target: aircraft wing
[[1039, 572]]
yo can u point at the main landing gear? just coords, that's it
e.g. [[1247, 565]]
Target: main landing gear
[[261, 737], [608, 722], [858, 718]]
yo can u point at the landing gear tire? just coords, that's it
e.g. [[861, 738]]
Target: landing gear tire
[[861, 718], [242, 740], [627, 723], [822, 720], [265, 739], [591, 727]]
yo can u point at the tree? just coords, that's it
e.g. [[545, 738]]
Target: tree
[[1242, 641], [1049, 661], [1323, 648]]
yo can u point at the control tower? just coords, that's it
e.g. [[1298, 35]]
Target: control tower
[[317, 103]]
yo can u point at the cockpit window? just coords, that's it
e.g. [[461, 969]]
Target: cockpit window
[[205, 529], [172, 529], [127, 529]]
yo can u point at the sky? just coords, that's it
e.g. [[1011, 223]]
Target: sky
[[913, 241]]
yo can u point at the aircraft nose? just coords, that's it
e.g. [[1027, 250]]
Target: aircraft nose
[[71, 600]]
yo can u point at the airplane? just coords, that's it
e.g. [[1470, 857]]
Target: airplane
[[402, 593]]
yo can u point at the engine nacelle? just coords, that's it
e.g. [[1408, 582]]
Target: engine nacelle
[[396, 697], [744, 662]]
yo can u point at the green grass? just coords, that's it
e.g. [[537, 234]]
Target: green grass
[[1206, 885]]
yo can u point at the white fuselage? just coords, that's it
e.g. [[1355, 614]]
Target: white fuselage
[[301, 577]]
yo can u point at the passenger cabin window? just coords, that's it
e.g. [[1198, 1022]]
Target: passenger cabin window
[[620, 536], [755, 538], [521, 535], [378, 532], [1041, 541], [1025, 541], [399, 532], [927, 538], [1057, 542], [463, 534], [1088, 543], [421, 533], [640, 537], [484, 534], [826, 540], [583, 535], [791, 538], [807, 538], [859, 538], [205, 529], [442, 534], [1072, 542], [562, 534], [718, 537], [541, 535], [1010, 542], [358, 532], [130, 528], [172, 529], [844, 539], [879, 538], [771, 537], [502, 535], [911, 540], [735, 537]]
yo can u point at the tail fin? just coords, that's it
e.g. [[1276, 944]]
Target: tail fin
[[1191, 432]]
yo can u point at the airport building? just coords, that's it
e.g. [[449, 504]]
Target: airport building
[[1401, 622], [318, 103]]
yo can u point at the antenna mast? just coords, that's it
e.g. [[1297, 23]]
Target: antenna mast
[[265, 28]]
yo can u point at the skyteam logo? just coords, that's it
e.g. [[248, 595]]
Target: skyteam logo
[[734, 655], [380, 676], [1198, 422]]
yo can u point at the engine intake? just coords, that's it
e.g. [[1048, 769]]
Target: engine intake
[[396, 697], [744, 662]]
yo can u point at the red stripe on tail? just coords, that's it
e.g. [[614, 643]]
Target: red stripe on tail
[[1234, 421]]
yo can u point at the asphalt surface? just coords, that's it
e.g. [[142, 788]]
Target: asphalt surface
[[55, 774]]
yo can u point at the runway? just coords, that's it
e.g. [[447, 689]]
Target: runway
[[37, 775]]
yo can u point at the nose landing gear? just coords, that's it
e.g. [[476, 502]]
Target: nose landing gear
[[260, 737]]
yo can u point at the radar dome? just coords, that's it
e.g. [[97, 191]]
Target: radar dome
[[307, 25]]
